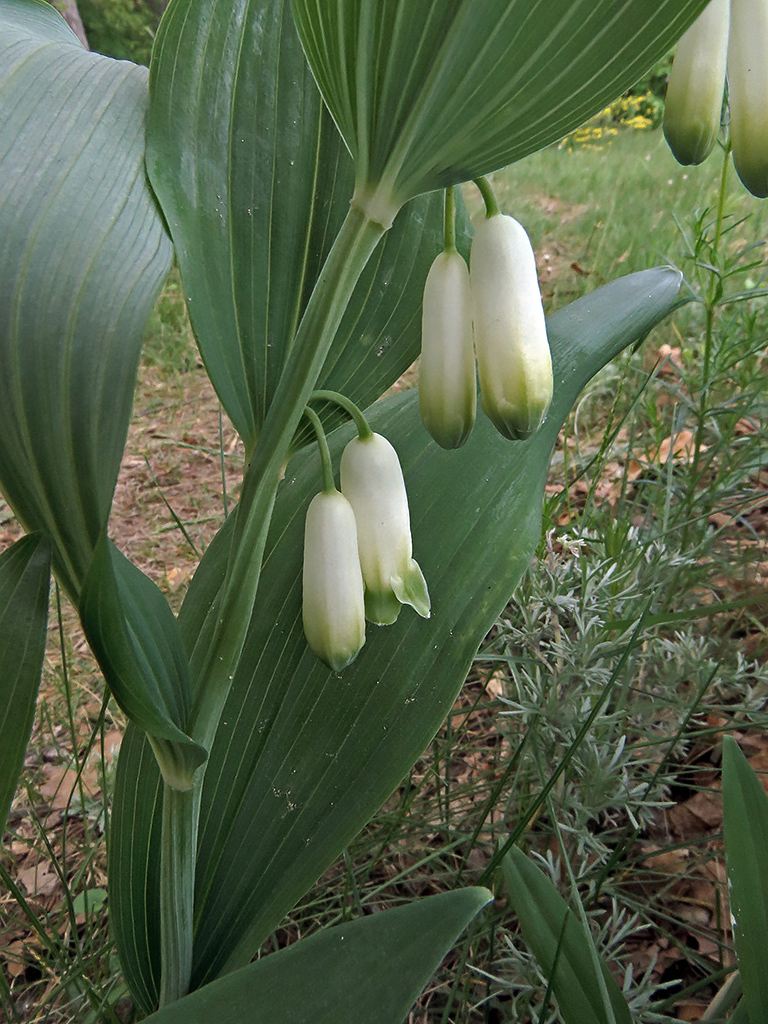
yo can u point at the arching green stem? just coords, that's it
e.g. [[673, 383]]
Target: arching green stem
[[354, 411], [329, 484], [449, 223], [491, 206]]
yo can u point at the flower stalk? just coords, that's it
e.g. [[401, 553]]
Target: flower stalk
[[353, 411]]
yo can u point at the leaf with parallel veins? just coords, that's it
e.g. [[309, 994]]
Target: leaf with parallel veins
[[82, 258]]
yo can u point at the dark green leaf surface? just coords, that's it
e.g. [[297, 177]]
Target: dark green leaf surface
[[429, 93], [82, 256], [255, 182], [303, 757], [371, 970], [745, 828], [137, 642], [25, 573], [134, 866], [559, 942]]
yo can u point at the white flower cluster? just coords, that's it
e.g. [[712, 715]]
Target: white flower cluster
[[358, 560], [730, 38], [498, 301]]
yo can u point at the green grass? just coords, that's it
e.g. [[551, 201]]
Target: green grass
[[613, 210], [596, 705]]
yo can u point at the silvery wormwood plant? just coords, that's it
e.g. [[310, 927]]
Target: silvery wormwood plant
[[294, 158]]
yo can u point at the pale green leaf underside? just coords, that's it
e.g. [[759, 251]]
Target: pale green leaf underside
[[82, 256], [433, 92], [371, 970], [557, 939], [24, 579], [303, 758]]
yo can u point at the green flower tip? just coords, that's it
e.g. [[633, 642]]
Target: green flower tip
[[333, 608], [696, 83], [513, 358]]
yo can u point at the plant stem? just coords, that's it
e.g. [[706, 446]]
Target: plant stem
[[491, 206], [213, 669], [216, 654], [709, 333], [322, 443], [177, 882]]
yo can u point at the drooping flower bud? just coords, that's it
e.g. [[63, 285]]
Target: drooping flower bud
[[748, 92], [696, 83], [447, 388], [372, 480], [333, 608], [513, 358]]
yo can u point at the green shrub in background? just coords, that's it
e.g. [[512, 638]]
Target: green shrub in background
[[123, 29], [655, 80]]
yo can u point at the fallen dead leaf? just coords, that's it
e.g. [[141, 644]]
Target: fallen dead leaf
[[39, 880], [681, 444]]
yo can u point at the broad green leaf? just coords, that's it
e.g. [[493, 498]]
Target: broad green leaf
[[558, 940], [255, 182], [304, 758], [740, 1014], [25, 572], [83, 253], [137, 643], [371, 970], [429, 93], [745, 828], [133, 866]]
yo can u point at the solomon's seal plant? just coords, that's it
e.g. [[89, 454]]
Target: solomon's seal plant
[[246, 769]]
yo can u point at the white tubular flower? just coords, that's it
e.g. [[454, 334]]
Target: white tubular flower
[[447, 388], [748, 92], [333, 608], [694, 100], [513, 358], [372, 480]]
